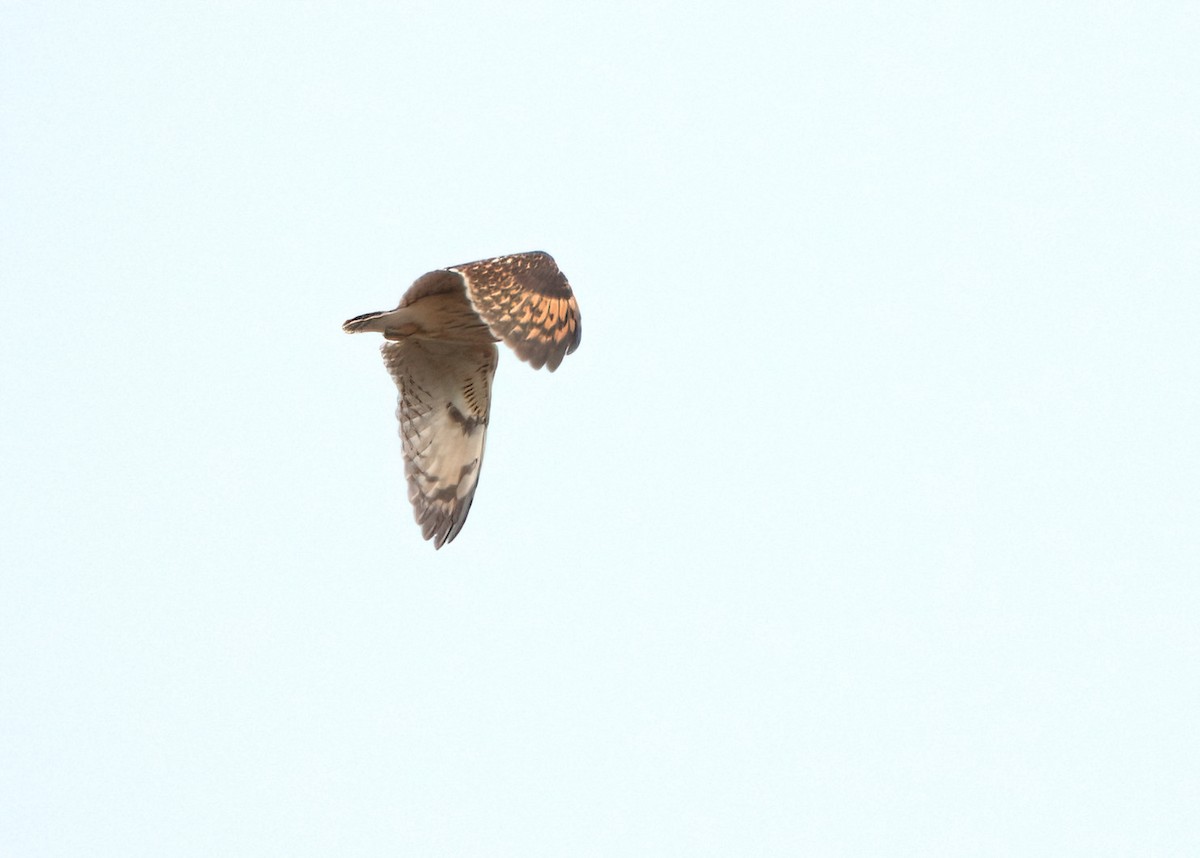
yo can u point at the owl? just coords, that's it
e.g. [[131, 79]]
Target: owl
[[440, 348]]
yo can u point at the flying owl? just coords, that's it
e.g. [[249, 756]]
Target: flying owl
[[441, 353]]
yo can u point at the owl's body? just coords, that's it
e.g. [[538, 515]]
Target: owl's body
[[441, 353]]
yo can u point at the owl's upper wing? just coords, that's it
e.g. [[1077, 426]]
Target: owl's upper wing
[[526, 301], [445, 396]]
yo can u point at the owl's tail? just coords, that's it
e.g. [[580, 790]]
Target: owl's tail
[[365, 322]]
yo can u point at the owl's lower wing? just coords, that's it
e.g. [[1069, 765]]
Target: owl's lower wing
[[445, 397], [525, 301]]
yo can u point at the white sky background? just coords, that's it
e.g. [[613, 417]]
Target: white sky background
[[863, 522]]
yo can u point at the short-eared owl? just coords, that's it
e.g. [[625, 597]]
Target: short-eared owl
[[442, 355]]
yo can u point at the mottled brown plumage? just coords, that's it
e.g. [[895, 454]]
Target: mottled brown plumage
[[441, 353]]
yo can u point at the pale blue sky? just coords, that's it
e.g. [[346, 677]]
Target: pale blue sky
[[863, 522]]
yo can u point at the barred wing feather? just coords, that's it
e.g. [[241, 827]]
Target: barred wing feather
[[526, 301], [445, 398]]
